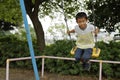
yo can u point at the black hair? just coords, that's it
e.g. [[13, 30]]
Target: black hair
[[81, 15]]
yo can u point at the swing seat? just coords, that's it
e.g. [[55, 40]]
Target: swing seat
[[72, 52], [95, 52]]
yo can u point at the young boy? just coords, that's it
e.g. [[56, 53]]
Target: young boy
[[85, 39]]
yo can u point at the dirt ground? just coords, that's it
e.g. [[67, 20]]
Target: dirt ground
[[20, 74]]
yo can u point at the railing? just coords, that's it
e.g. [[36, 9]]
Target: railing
[[53, 57]]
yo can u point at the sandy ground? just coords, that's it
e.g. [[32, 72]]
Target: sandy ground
[[20, 74]]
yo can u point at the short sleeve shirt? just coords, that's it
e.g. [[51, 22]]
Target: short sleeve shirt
[[85, 38]]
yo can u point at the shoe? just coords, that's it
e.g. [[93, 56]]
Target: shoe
[[86, 66]]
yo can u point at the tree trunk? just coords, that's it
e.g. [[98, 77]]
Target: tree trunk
[[33, 14], [39, 31]]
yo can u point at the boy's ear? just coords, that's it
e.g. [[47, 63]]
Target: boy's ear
[[76, 21], [87, 20]]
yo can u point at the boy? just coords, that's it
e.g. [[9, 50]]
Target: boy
[[85, 39]]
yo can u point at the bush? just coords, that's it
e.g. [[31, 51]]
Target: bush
[[62, 48], [12, 47]]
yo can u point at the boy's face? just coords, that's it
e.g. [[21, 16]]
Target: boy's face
[[82, 22]]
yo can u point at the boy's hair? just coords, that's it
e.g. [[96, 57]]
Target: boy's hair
[[81, 15]]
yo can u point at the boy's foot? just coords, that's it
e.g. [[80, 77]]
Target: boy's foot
[[86, 66]]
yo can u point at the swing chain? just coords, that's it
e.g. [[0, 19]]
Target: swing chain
[[65, 19], [93, 11]]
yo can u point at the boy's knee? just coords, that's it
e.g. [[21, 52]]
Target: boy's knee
[[84, 59]]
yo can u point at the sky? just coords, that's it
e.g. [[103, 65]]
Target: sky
[[47, 22]]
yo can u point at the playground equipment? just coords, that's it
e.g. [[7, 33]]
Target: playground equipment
[[29, 39], [43, 57], [96, 50], [53, 57]]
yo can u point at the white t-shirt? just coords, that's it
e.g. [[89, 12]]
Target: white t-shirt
[[85, 38]]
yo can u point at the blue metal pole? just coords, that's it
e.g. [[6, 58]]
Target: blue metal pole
[[29, 40]]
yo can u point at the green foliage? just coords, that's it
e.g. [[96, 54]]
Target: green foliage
[[106, 12], [62, 48], [10, 11], [12, 47], [49, 7], [58, 31]]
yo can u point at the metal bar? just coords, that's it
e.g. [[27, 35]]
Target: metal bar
[[53, 57], [24, 58], [100, 70], [63, 58], [7, 69], [105, 61], [43, 62], [22, 5]]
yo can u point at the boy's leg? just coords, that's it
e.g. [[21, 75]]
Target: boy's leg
[[78, 54], [86, 56]]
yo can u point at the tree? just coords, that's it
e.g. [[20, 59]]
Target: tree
[[106, 12], [10, 14], [47, 7], [57, 31]]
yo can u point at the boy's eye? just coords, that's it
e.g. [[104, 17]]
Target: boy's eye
[[82, 22]]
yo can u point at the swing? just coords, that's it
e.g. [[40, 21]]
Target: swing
[[95, 50], [72, 52]]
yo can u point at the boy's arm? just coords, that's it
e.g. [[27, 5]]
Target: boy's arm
[[71, 31]]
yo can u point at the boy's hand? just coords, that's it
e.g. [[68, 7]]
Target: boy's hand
[[71, 31], [96, 31], [68, 32]]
